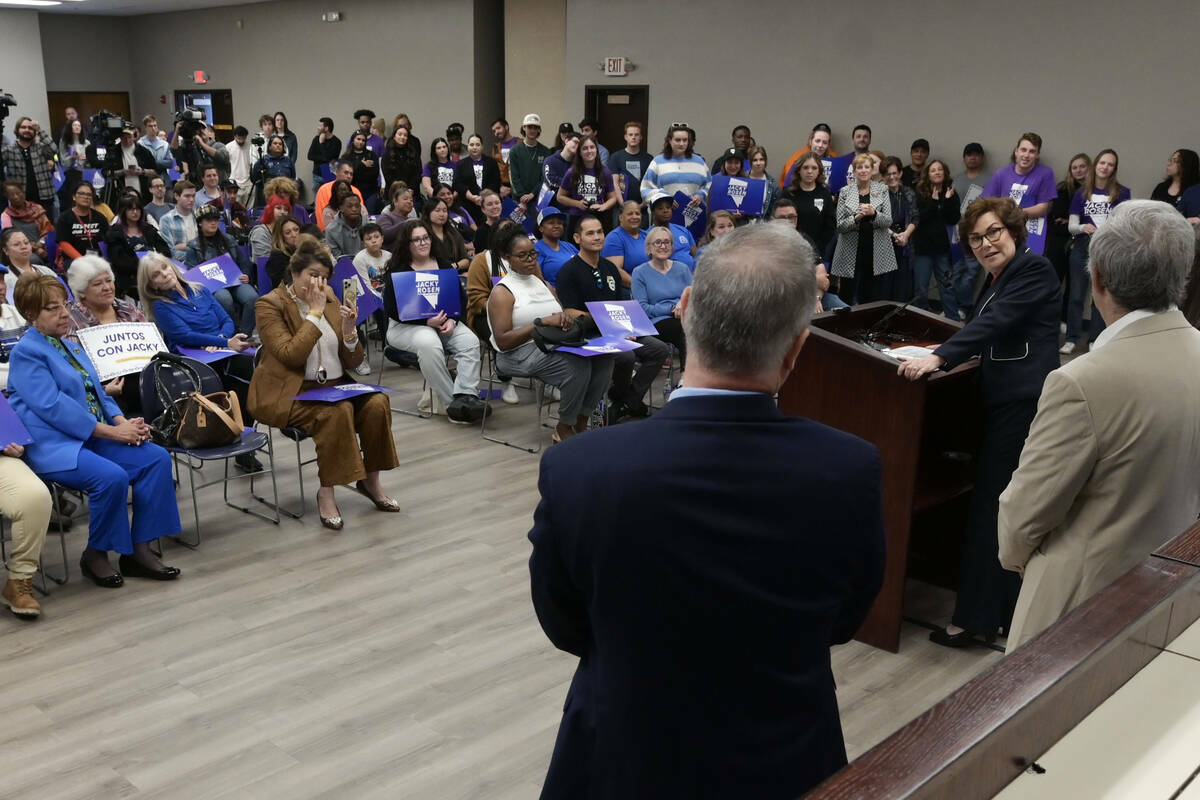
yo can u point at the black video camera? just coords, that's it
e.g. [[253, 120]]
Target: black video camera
[[190, 121], [6, 101], [105, 127], [258, 140]]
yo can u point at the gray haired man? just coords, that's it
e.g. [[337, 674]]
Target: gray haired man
[[1109, 469]]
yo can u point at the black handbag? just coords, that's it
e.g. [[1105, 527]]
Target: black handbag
[[549, 338], [190, 418]]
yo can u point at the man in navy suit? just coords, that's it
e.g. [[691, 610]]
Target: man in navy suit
[[701, 563]]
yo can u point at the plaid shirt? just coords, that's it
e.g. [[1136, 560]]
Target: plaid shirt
[[175, 231], [42, 154]]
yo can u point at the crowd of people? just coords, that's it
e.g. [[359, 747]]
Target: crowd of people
[[536, 233]]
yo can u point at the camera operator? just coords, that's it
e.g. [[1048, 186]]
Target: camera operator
[[155, 141], [241, 159], [196, 143], [128, 164], [325, 149], [30, 161]]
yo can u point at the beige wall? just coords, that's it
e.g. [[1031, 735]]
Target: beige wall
[[1086, 77], [87, 53], [535, 50], [20, 68]]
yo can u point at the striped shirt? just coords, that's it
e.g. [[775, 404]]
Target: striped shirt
[[666, 176]]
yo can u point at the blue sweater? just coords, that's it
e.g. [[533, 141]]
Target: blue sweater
[[657, 293], [193, 321], [666, 176]]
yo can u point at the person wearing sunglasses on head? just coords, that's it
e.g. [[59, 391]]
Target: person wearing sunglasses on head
[[677, 168]]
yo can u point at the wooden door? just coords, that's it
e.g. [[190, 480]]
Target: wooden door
[[612, 107], [87, 104]]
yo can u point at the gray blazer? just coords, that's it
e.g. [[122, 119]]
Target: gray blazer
[[847, 226]]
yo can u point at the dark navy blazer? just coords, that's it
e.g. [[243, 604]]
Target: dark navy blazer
[[700, 564]]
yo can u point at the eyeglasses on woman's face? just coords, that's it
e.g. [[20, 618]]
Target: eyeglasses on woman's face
[[992, 234], [526, 255], [421, 239]]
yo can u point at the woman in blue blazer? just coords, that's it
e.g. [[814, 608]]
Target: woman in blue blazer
[[82, 441]]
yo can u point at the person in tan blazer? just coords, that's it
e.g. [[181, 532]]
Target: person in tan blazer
[[1111, 467], [309, 340]]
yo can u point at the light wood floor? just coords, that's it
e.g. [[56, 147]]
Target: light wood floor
[[398, 658]]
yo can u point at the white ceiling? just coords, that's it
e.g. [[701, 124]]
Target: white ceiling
[[128, 8]]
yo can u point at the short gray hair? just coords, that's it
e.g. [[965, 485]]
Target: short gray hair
[[83, 271], [753, 293], [1144, 254]]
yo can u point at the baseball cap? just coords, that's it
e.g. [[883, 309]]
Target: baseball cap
[[532, 119], [548, 212], [666, 198], [974, 148], [207, 212], [227, 185], [566, 127]]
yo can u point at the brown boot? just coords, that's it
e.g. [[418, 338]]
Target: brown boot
[[18, 596]]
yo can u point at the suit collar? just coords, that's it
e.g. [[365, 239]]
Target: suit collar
[[726, 408], [1154, 323]]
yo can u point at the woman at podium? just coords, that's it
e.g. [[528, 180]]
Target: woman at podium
[[1014, 331]]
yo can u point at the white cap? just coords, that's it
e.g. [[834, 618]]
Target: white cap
[[532, 119]]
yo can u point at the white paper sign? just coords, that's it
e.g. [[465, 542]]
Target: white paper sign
[[121, 348]]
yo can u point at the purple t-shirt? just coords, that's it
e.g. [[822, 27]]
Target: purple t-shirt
[[1096, 210], [1025, 190], [588, 187], [445, 173]]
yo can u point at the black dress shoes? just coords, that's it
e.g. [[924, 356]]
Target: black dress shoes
[[135, 569], [960, 639], [114, 581]]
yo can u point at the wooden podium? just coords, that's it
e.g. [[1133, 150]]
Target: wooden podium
[[927, 432]]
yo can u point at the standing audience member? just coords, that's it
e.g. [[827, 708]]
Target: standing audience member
[[555, 167], [677, 169], [72, 157], [918, 155], [671, 586], [815, 206], [969, 185], [439, 169], [525, 161], [589, 127], [400, 161], [29, 161], [938, 210], [501, 149], [588, 186], [630, 164], [1108, 472], [1014, 330], [283, 130], [1058, 237], [240, 162], [473, 174], [865, 259], [157, 144], [1028, 183], [1183, 172], [757, 157], [323, 150], [129, 165], [366, 167], [905, 217]]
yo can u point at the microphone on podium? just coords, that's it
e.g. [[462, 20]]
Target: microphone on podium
[[880, 327]]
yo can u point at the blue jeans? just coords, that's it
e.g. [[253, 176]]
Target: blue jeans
[[963, 278], [1080, 283], [937, 266], [106, 470], [244, 296], [831, 302]]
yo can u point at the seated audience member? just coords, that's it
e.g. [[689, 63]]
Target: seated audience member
[[233, 213], [625, 245], [25, 500], [519, 302], [16, 254], [282, 196], [285, 234], [865, 259], [340, 191], [434, 338], [82, 440], [275, 163], [310, 341], [129, 235], [672, 584], [189, 316], [178, 226], [661, 212], [342, 171], [459, 216], [719, 223], [371, 260], [487, 268], [80, 229], [1108, 472], [341, 235], [397, 212], [158, 205], [785, 212], [26, 216], [448, 245], [96, 303], [553, 251], [589, 277], [658, 287], [211, 242], [491, 205], [210, 185]]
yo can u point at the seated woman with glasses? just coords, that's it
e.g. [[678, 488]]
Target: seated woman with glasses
[[658, 287], [677, 168], [82, 440], [522, 300]]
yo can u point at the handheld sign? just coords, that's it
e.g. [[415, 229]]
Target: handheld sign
[[694, 218], [421, 294], [212, 356], [264, 280], [338, 392], [601, 346], [368, 301], [740, 195], [617, 319], [511, 209], [121, 348], [12, 430], [220, 273]]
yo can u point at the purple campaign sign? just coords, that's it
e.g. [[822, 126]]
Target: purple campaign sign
[[691, 217], [212, 356], [12, 430], [601, 346], [739, 195], [338, 392], [426, 293], [220, 273], [264, 280], [511, 209], [368, 302], [617, 319]]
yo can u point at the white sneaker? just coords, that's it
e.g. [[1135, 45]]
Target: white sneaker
[[364, 368], [1067, 348], [509, 395]]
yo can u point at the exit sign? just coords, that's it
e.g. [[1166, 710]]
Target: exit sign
[[614, 66], [199, 76]]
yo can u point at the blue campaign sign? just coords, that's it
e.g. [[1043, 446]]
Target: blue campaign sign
[[838, 172], [368, 301], [12, 430], [421, 294], [220, 273], [739, 195], [511, 209], [694, 218], [617, 319]]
